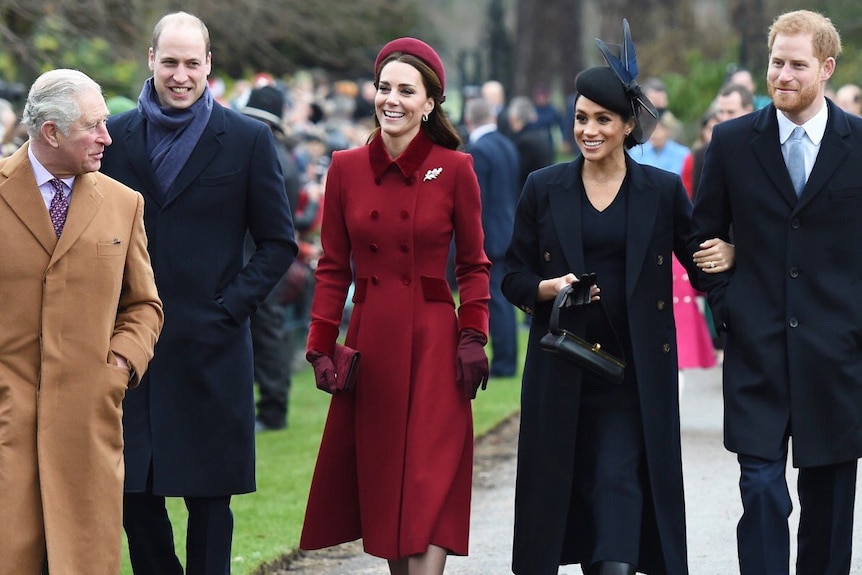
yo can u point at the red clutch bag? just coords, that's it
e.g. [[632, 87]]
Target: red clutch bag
[[346, 362]]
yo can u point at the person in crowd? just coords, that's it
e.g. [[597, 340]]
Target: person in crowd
[[693, 164], [494, 93], [81, 316], [548, 118], [743, 77], [786, 178], [662, 150], [599, 472], [534, 150], [656, 92], [733, 101], [395, 461], [209, 175], [849, 98], [269, 333], [496, 162]]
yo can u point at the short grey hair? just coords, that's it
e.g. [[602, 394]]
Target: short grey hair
[[523, 109], [478, 112], [53, 97]]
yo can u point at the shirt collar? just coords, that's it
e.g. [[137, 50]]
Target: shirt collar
[[814, 128], [43, 176], [481, 131], [407, 163]]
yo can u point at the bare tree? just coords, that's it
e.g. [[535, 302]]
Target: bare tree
[[548, 46]]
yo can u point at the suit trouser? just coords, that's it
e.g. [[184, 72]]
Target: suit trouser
[[272, 359], [151, 539], [502, 326], [826, 498]]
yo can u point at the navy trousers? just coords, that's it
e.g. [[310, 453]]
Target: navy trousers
[[826, 498], [502, 327], [151, 538]]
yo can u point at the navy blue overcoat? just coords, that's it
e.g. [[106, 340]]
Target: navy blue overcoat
[[193, 414]]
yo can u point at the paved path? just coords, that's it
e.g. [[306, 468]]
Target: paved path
[[712, 502]]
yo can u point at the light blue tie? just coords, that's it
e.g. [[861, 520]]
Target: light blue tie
[[796, 159]]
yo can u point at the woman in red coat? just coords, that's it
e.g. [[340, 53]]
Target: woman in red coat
[[395, 462]]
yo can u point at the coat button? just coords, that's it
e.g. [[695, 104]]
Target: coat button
[[374, 214], [404, 248], [794, 272], [373, 247], [404, 214], [547, 256], [795, 223], [660, 260], [405, 281], [665, 348], [375, 280], [794, 322], [660, 305]]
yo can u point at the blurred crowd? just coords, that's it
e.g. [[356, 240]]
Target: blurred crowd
[[311, 116]]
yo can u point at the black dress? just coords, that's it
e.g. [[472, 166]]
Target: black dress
[[609, 478]]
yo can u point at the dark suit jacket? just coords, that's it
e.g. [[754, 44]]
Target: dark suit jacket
[[547, 243], [791, 308], [534, 150], [495, 160], [193, 415]]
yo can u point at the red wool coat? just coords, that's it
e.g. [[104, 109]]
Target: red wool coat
[[395, 462]]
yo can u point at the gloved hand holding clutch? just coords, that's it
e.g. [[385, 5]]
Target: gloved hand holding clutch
[[324, 370]]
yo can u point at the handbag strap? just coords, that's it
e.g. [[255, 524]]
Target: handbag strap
[[560, 302]]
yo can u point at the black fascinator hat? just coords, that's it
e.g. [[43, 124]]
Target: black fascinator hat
[[631, 99]]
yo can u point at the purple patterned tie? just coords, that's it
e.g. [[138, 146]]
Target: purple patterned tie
[[59, 206]]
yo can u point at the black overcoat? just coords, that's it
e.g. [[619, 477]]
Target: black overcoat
[[791, 309], [547, 243], [193, 414]]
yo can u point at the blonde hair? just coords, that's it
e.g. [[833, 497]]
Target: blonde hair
[[825, 37]]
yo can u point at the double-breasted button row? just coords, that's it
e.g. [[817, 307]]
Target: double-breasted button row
[[404, 247], [665, 347], [660, 305], [375, 214]]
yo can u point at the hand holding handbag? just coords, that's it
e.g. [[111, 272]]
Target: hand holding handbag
[[337, 373], [586, 355]]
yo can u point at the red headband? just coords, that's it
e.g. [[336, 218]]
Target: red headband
[[416, 48]]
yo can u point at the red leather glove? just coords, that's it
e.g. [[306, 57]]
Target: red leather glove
[[324, 370], [471, 363]]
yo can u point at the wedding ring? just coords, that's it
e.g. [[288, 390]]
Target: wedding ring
[[711, 264]]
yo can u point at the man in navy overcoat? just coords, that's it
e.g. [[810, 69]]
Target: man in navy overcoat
[[497, 165], [208, 175], [791, 308]]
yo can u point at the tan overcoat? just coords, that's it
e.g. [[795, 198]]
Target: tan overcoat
[[67, 306]]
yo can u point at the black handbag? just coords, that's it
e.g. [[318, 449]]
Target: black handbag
[[586, 355]]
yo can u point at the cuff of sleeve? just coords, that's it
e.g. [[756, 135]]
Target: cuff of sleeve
[[473, 317], [322, 337]]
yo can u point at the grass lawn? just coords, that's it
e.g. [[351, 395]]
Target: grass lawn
[[268, 522]]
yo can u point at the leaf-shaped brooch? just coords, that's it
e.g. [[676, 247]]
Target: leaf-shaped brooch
[[432, 174]]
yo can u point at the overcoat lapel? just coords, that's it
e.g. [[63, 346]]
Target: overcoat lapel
[[206, 149], [766, 148], [642, 216], [136, 141], [833, 152], [564, 199], [19, 191]]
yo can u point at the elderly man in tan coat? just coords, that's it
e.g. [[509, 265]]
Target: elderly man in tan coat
[[80, 316]]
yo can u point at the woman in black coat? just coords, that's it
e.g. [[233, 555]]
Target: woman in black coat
[[599, 466]]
